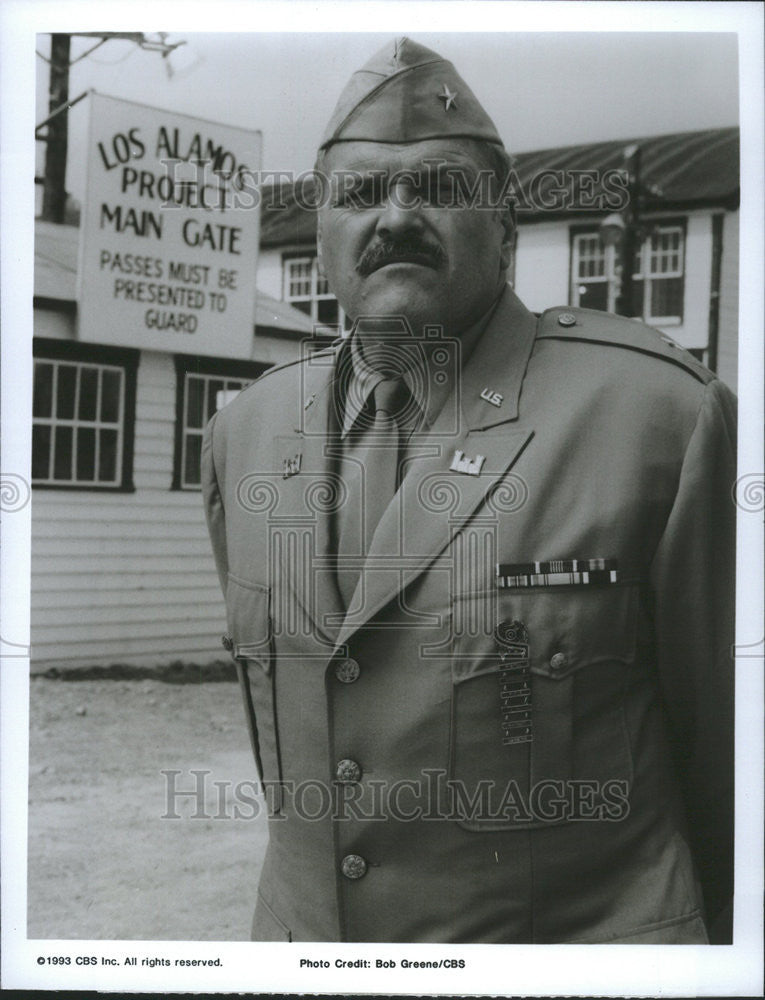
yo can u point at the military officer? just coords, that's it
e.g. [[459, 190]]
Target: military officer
[[478, 575]]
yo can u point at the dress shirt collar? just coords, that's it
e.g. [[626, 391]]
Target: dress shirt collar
[[429, 397]]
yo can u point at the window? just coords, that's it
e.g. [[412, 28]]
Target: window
[[306, 288], [594, 286], [204, 386], [658, 271], [83, 414], [658, 278]]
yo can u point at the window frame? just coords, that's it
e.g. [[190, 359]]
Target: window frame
[[664, 226], [204, 367], [314, 297], [656, 225], [102, 356]]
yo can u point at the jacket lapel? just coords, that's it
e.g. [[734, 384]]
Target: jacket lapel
[[435, 501], [306, 494]]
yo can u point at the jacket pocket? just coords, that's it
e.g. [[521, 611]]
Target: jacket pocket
[[539, 679], [249, 621]]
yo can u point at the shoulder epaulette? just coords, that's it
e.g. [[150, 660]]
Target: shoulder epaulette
[[595, 327], [296, 361]]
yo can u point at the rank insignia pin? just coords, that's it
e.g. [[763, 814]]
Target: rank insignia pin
[[467, 466], [492, 397], [292, 466], [449, 97]]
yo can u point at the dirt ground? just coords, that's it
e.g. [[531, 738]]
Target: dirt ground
[[103, 862]]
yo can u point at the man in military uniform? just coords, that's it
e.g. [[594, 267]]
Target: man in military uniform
[[478, 575]]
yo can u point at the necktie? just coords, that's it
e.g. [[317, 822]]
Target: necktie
[[374, 477]]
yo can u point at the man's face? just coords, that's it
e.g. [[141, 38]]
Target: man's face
[[397, 244]]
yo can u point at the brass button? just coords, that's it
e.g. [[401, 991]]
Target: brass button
[[567, 319], [347, 671], [353, 866], [347, 770], [558, 661], [227, 642]]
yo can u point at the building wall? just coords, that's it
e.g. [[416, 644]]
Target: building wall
[[693, 332], [270, 271], [542, 265], [126, 577], [727, 350]]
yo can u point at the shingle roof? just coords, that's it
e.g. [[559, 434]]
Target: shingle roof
[[681, 170]]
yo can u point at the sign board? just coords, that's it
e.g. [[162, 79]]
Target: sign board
[[170, 231]]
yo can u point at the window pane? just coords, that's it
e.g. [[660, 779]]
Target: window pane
[[298, 277], [110, 396], [62, 456], [214, 386], [195, 394], [86, 454], [594, 296], [86, 408], [43, 389], [41, 435], [328, 311], [67, 381], [303, 307], [667, 297], [638, 293], [107, 456], [192, 466]]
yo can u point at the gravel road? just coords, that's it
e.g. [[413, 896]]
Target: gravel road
[[103, 862]]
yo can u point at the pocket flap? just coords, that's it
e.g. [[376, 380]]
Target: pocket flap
[[249, 621], [574, 627], [566, 628]]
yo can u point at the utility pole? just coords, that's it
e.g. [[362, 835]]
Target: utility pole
[[57, 122], [54, 184], [625, 305]]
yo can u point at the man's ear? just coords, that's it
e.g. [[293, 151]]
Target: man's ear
[[507, 220]]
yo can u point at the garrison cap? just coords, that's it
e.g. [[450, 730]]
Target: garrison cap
[[407, 93]]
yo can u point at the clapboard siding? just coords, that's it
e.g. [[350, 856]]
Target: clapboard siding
[[78, 528], [181, 504], [149, 579], [133, 650], [127, 577], [727, 353], [177, 597]]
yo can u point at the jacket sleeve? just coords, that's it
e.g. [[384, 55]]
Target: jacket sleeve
[[213, 501], [693, 576]]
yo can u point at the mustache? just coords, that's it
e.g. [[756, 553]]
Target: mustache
[[410, 250]]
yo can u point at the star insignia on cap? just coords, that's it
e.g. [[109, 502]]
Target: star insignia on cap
[[449, 98]]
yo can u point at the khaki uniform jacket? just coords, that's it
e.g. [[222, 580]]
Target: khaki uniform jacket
[[564, 778]]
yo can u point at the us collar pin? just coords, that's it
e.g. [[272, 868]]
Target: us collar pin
[[495, 398], [467, 466]]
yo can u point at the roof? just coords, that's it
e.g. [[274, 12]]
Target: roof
[[679, 171], [56, 250]]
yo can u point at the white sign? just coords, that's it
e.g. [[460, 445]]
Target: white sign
[[170, 232]]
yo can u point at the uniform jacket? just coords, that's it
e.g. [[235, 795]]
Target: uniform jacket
[[483, 749]]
